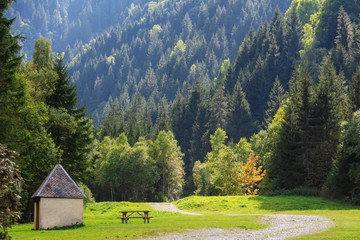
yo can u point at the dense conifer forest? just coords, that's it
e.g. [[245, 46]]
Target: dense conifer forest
[[152, 101]]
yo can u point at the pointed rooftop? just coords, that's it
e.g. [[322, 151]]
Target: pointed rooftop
[[59, 184]]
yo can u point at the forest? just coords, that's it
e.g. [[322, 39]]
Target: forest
[[179, 98]]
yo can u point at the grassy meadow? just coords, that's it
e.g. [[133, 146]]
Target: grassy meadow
[[102, 220]]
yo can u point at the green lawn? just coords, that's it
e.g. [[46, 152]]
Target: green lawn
[[102, 219], [345, 216], [102, 222]]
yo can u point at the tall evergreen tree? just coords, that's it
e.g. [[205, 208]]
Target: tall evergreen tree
[[343, 181], [12, 90], [65, 93], [345, 30], [276, 99], [355, 90], [240, 121], [326, 29], [329, 110], [293, 40], [113, 124], [219, 110], [290, 167]]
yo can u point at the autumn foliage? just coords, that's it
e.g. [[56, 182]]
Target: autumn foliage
[[250, 175]]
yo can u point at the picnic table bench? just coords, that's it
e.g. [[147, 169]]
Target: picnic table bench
[[126, 215]]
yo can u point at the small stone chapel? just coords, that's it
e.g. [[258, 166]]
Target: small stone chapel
[[58, 201]]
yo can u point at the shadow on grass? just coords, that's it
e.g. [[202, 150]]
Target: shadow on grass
[[74, 226], [291, 203]]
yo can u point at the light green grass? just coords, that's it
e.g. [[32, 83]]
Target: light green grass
[[102, 219], [102, 222], [345, 216]]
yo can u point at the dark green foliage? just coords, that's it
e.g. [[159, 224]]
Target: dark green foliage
[[310, 132], [326, 30], [12, 90], [61, 20], [330, 108], [240, 123], [355, 90], [272, 51], [276, 100], [345, 30], [157, 55], [113, 124], [294, 160], [218, 110], [65, 93], [344, 179]]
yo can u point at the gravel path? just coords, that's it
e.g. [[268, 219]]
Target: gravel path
[[169, 207], [282, 226]]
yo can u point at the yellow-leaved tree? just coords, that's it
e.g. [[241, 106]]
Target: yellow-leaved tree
[[250, 175]]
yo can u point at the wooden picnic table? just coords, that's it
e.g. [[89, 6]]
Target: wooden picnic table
[[126, 215]]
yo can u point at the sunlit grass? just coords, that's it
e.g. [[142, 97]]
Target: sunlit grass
[[345, 216], [102, 221]]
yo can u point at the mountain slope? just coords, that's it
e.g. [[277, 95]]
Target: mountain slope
[[66, 21], [169, 47]]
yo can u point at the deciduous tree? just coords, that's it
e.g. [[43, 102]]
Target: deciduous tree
[[250, 175], [10, 188]]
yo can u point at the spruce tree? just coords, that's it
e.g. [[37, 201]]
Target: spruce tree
[[355, 90], [291, 165], [65, 93], [345, 30], [240, 121], [343, 181], [219, 110], [293, 41], [12, 90], [329, 110], [276, 99]]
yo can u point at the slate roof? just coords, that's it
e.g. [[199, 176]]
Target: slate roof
[[58, 184]]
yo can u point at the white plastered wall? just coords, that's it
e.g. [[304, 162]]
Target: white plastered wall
[[59, 212]]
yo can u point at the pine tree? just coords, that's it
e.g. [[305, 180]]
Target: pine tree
[[276, 99], [12, 90], [240, 120], [293, 40], [355, 90], [69, 126], [329, 111], [219, 110], [113, 124], [345, 174], [345, 30], [65, 93], [289, 168]]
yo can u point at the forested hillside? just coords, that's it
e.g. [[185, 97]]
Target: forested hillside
[[170, 46], [68, 23], [283, 65]]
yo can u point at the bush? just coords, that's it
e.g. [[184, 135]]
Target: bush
[[89, 196], [10, 188]]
